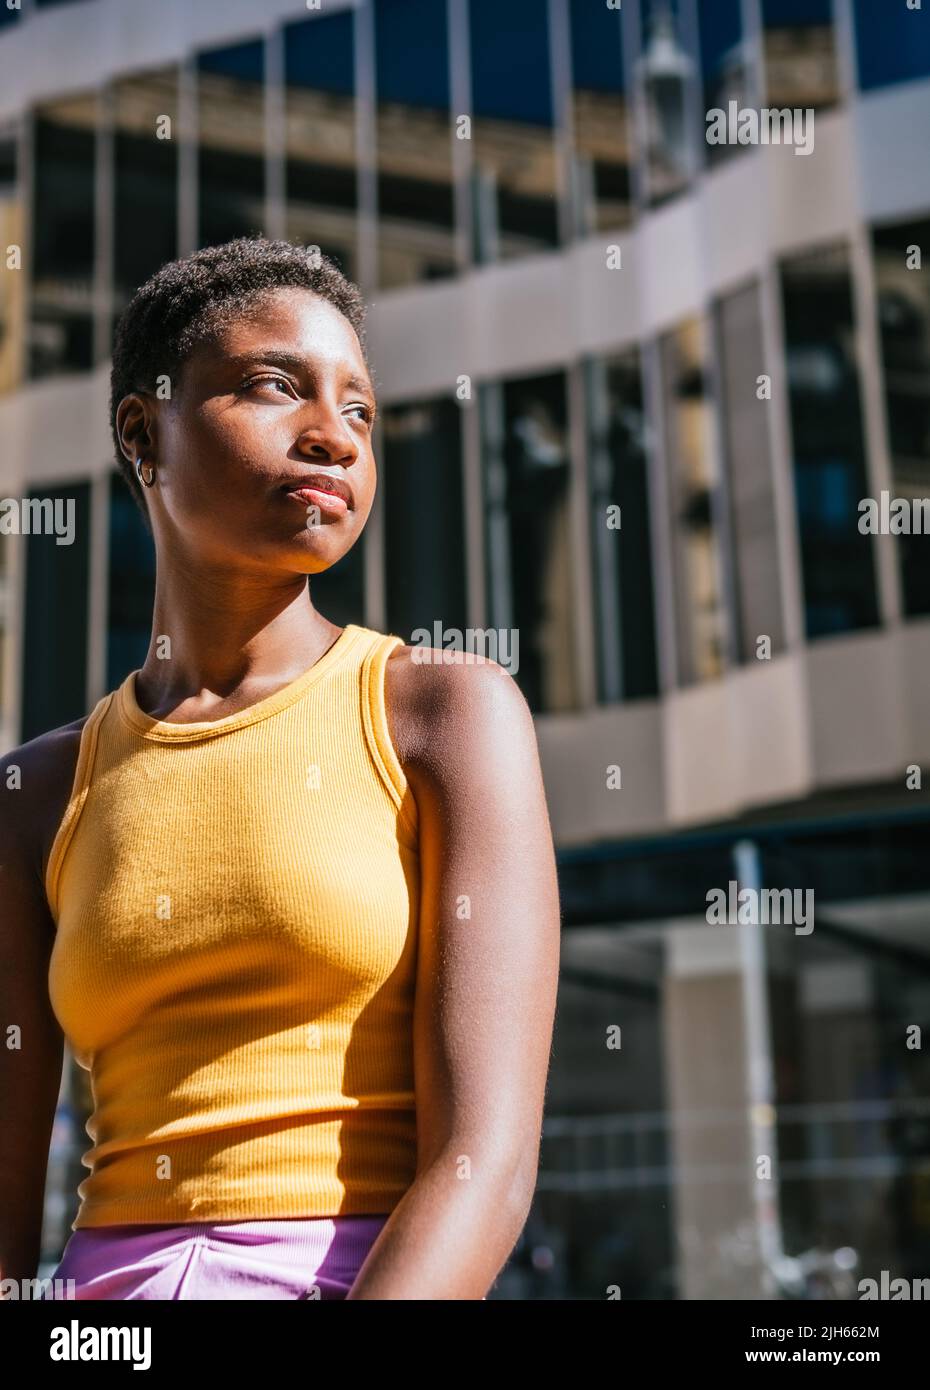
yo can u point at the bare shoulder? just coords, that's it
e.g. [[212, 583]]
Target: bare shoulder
[[36, 779], [443, 703]]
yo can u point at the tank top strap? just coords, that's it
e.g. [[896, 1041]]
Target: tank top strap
[[377, 728], [83, 773]]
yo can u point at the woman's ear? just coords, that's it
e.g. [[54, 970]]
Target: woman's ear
[[135, 426]]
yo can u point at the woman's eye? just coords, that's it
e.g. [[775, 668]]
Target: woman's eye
[[366, 411], [266, 381]]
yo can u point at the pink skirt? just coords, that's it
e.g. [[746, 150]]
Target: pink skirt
[[292, 1258]]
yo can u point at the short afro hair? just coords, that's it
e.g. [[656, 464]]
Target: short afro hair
[[187, 301]]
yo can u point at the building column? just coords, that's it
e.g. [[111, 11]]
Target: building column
[[721, 1105]]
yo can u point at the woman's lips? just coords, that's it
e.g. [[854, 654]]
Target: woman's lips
[[328, 502]]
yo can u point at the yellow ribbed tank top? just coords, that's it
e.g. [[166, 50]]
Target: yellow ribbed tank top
[[236, 910]]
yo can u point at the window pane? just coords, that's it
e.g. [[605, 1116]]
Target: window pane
[[691, 455], [800, 53], [339, 592], [145, 111], [525, 443], [415, 204], [601, 120], [54, 659], [12, 297], [232, 142], [636, 1182], [665, 71], [131, 594], [904, 321], [604, 1206], [892, 43], [829, 456], [724, 74], [61, 327], [515, 209], [321, 192], [424, 521], [748, 455], [622, 555]]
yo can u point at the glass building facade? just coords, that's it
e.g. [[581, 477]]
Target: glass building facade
[[639, 385]]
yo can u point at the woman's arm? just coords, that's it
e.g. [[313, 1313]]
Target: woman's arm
[[486, 979], [31, 1042]]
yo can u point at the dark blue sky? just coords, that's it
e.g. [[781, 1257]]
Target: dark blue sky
[[778, 12], [411, 52], [597, 52], [245, 60], [893, 44], [319, 53], [510, 60]]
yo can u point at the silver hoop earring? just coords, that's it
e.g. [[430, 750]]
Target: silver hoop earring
[[147, 482]]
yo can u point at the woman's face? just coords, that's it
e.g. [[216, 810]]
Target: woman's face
[[282, 392]]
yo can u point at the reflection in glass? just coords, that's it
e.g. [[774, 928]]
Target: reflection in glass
[[602, 1216], [904, 321], [145, 199], [664, 73], [622, 556], [890, 46], [640, 1153], [231, 160], [799, 53], [747, 450], [525, 444], [515, 210], [322, 197], [829, 454], [423, 516], [131, 585], [601, 124], [339, 592], [724, 73], [54, 654], [854, 1108], [416, 218], [61, 325], [691, 454], [12, 296]]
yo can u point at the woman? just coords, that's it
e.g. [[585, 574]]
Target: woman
[[290, 891]]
